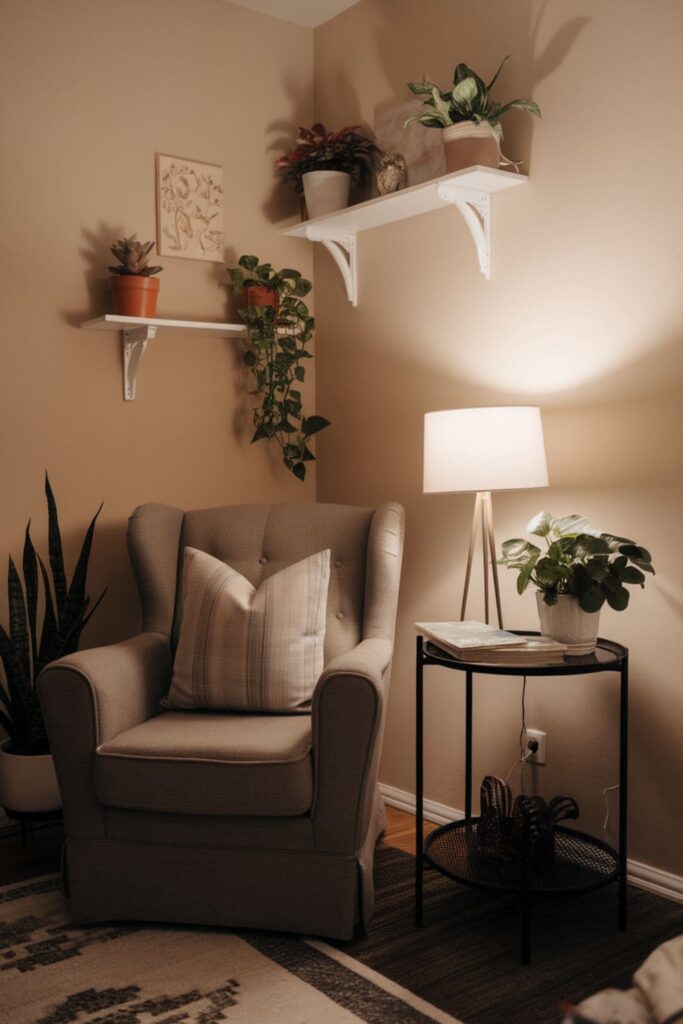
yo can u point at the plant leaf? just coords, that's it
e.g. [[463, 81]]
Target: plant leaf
[[55, 549], [312, 424], [540, 524], [18, 629], [30, 567]]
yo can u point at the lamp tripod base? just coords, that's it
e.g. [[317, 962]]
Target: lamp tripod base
[[482, 521]]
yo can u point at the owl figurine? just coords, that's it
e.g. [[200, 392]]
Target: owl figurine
[[393, 174]]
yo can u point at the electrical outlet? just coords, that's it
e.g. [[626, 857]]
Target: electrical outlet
[[538, 757]]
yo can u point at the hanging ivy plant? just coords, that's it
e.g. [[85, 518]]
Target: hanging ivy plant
[[279, 327]]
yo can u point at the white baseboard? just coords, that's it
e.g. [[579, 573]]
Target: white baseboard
[[662, 883]]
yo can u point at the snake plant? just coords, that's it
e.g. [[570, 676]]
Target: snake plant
[[25, 649]]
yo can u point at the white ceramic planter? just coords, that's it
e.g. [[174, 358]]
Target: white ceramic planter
[[326, 191], [567, 622], [468, 143], [28, 783]]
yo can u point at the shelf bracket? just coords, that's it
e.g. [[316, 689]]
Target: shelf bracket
[[476, 210], [342, 249], [133, 344]]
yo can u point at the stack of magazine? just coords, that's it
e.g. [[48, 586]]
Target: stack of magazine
[[477, 642]]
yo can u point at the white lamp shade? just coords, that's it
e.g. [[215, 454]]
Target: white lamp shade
[[490, 449]]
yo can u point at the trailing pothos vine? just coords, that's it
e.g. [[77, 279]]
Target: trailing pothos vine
[[279, 327]]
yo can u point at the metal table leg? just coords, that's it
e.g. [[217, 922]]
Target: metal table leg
[[468, 746], [419, 753], [623, 793]]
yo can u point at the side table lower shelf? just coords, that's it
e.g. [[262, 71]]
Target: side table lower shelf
[[581, 862]]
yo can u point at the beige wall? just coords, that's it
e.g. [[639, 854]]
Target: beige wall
[[582, 317], [91, 90]]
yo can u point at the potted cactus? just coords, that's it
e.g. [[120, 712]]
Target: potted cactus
[[134, 289]]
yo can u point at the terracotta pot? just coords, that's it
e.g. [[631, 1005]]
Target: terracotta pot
[[326, 191], [259, 295], [28, 783], [134, 295], [467, 144], [567, 622]]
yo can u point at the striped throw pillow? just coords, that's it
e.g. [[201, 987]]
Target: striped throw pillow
[[243, 649]]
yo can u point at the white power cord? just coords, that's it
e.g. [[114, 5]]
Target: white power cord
[[606, 790]]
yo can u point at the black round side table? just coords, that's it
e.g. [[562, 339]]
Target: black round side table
[[581, 863]]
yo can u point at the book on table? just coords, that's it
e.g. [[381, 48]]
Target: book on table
[[479, 642]]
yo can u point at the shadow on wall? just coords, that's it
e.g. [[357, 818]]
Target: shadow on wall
[[592, 435], [97, 259], [408, 53], [283, 202]]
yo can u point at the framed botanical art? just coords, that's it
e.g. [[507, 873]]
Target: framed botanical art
[[189, 208]]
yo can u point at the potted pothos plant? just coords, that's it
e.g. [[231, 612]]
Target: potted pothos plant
[[278, 334], [580, 569], [323, 165], [468, 117], [134, 288], [27, 776]]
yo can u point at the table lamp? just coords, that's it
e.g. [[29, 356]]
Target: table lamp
[[499, 448]]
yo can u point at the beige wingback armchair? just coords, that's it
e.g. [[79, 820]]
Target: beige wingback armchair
[[266, 821]]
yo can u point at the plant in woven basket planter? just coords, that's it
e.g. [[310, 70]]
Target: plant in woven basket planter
[[133, 287], [467, 104], [278, 332]]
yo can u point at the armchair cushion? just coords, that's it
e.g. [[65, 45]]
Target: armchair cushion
[[193, 762], [243, 649]]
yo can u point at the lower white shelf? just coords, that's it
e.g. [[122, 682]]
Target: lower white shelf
[[136, 331]]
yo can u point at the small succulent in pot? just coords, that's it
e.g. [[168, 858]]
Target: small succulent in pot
[[134, 288], [468, 99], [350, 150], [133, 257], [579, 561]]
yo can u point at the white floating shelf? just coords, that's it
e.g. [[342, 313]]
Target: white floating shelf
[[469, 190], [136, 331]]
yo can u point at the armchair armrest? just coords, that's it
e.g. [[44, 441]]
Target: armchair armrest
[[91, 696], [347, 719]]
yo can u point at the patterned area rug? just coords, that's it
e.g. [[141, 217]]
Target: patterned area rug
[[54, 973]]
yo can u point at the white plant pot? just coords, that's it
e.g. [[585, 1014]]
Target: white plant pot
[[468, 143], [28, 783], [326, 191], [567, 622]]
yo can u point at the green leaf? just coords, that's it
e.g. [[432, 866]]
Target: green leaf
[[299, 470], [49, 630], [55, 549], [617, 596], [540, 524], [639, 556], [261, 431], [500, 68], [592, 600], [528, 105], [249, 262], [585, 546], [632, 575], [30, 566], [464, 93], [250, 358], [312, 424], [18, 629], [568, 526]]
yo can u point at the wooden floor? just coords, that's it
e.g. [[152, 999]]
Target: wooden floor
[[41, 855], [400, 831]]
